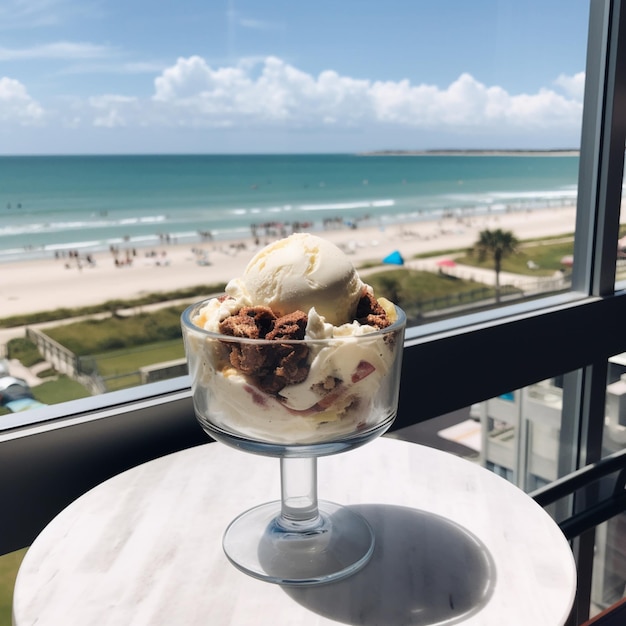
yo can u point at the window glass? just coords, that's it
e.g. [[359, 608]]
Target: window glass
[[517, 434], [609, 573], [609, 567], [437, 142], [620, 269], [521, 433], [523, 438], [614, 437], [458, 433]]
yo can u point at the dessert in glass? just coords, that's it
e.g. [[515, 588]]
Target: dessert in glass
[[297, 360]]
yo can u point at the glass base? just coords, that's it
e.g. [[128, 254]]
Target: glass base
[[336, 545]]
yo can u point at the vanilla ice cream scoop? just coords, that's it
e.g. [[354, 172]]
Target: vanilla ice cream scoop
[[263, 376], [301, 272]]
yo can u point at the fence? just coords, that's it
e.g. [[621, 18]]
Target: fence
[[101, 381], [461, 299], [62, 359], [530, 284], [163, 371]]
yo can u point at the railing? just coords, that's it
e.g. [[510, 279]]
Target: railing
[[62, 359], [602, 500], [163, 371]]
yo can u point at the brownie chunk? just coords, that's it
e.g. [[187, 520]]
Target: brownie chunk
[[287, 365], [271, 366], [289, 327], [369, 312]]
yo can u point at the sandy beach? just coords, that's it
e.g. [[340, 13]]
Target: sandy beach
[[34, 286]]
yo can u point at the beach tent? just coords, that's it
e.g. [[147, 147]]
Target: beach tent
[[395, 258]]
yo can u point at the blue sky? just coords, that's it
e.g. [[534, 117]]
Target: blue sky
[[266, 76]]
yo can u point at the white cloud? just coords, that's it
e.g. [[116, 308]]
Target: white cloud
[[236, 19], [193, 80], [574, 86], [281, 93], [16, 105], [112, 111], [111, 119], [57, 50], [273, 95], [467, 103]]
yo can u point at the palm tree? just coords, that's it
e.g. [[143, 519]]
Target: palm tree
[[496, 244]]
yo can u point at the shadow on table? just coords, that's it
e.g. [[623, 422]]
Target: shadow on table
[[424, 570]]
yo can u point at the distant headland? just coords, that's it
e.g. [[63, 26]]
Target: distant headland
[[552, 152]]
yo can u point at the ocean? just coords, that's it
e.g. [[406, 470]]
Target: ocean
[[55, 204]]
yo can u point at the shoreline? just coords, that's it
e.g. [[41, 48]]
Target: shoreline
[[31, 286], [566, 152], [274, 228]]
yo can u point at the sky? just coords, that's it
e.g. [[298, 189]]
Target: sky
[[285, 76]]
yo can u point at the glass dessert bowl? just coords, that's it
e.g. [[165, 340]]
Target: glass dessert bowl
[[296, 400]]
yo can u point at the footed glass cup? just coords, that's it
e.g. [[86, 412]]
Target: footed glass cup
[[345, 394]]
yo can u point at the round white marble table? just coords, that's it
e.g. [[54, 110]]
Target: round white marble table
[[454, 544]]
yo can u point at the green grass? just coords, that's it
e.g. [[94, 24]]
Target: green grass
[[111, 305], [60, 390], [24, 350], [405, 285], [125, 361], [96, 336], [55, 391], [125, 381], [120, 367], [9, 564], [419, 292], [546, 255]]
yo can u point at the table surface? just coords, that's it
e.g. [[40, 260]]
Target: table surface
[[454, 544]]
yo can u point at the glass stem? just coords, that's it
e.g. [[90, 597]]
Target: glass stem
[[299, 510]]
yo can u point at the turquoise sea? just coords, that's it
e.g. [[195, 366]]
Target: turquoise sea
[[55, 204]]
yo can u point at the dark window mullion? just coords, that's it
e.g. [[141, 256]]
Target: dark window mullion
[[595, 249], [602, 151]]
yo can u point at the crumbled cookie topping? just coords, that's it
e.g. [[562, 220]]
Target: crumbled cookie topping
[[369, 312], [276, 366], [273, 367]]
